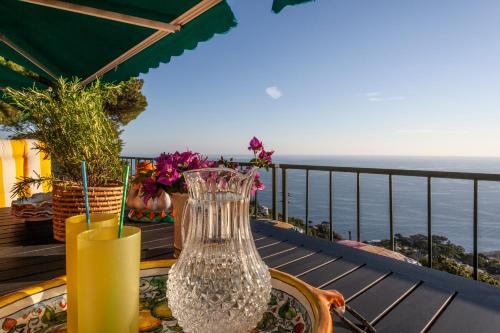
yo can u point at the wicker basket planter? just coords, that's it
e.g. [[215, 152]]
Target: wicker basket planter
[[67, 200]]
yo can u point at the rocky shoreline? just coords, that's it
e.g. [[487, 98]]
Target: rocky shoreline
[[447, 256]]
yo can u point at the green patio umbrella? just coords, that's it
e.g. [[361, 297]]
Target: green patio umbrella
[[278, 5], [112, 39]]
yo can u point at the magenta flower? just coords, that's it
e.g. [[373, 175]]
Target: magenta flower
[[169, 167], [186, 157], [149, 189], [257, 185], [165, 161], [168, 178], [255, 145], [266, 156]]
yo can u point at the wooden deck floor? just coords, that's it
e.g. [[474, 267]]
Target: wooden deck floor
[[393, 296]]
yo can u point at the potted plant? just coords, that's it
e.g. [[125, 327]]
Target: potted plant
[[74, 122], [166, 175]]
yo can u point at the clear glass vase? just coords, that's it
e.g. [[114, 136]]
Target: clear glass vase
[[219, 283]]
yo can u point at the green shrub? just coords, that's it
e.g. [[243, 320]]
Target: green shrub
[[71, 121]]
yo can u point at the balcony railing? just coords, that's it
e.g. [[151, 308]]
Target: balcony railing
[[390, 173]]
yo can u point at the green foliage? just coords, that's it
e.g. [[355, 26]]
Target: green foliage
[[124, 102], [9, 115], [447, 257], [24, 71], [71, 122], [452, 266]]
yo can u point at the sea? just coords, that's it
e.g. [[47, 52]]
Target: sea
[[452, 200]]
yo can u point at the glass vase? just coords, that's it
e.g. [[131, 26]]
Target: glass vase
[[219, 283]]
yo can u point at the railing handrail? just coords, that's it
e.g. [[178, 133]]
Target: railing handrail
[[395, 172], [377, 171]]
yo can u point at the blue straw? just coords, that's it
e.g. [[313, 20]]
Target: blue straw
[[126, 171], [86, 193]]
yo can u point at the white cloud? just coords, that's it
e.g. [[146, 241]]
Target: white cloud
[[376, 96], [274, 92], [416, 131], [386, 99], [431, 131]]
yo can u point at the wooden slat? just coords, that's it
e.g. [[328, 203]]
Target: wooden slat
[[307, 264], [266, 242], [481, 314], [30, 250], [357, 281], [382, 296], [275, 249], [288, 257], [15, 263], [416, 311], [36, 276], [19, 273], [329, 272]]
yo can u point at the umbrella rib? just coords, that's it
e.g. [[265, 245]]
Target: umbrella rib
[[183, 19], [26, 55], [105, 14]]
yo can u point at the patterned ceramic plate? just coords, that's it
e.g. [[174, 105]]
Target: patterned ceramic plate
[[294, 306]]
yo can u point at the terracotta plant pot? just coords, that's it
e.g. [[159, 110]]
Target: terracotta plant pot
[[68, 200], [179, 200]]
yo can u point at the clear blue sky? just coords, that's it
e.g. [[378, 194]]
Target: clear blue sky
[[362, 77]]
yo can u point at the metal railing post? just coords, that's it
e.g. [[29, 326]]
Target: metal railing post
[[391, 215], [429, 222], [136, 163], [358, 209], [330, 204], [475, 258], [307, 201], [284, 193], [275, 192]]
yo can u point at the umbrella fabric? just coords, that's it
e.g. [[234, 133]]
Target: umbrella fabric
[[73, 44], [278, 5], [9, 78]]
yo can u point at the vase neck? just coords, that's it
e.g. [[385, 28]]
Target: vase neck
[[219, 184]]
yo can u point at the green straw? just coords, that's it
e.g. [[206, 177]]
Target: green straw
[[126, 170], [86, 194]]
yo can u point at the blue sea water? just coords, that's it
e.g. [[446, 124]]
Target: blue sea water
[[452, 200]]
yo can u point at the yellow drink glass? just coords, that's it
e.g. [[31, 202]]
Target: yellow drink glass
[[108, 280], [75, 225]]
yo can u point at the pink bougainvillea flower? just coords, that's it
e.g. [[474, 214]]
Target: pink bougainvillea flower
[[169, 177], [165, 160], [266, 156], [149, 189], [255, 145], [257, 184]]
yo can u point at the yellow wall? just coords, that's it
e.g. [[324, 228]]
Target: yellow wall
[[18, 159]]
